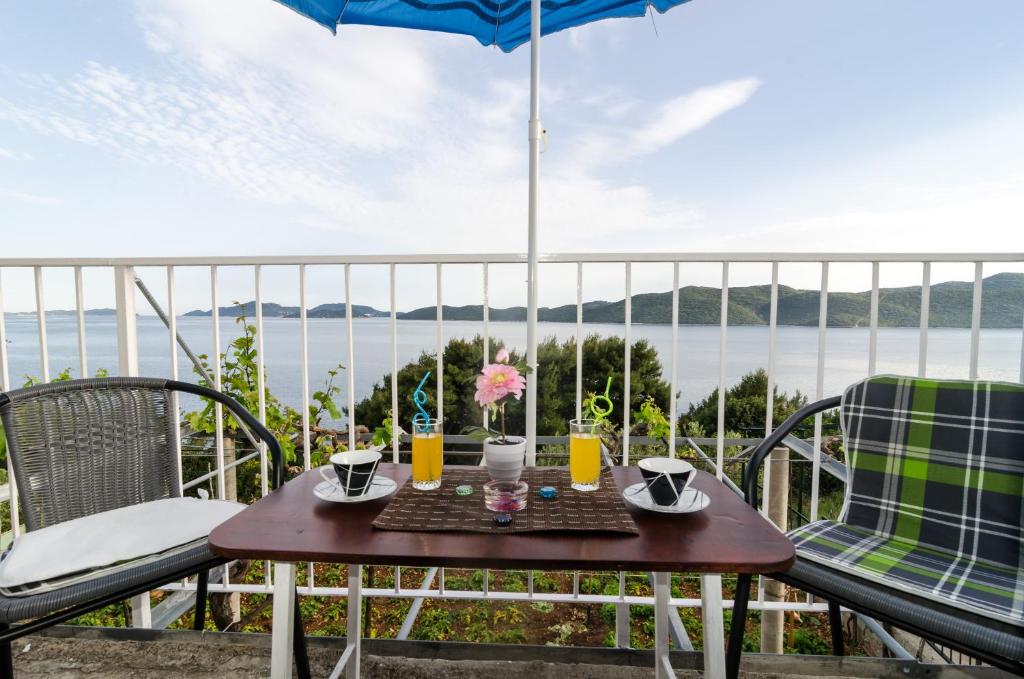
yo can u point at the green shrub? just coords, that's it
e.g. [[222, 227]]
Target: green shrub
[[556, 383]]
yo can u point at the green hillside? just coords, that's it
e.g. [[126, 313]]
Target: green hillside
[[1002, 307]]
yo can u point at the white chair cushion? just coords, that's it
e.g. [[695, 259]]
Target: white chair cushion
[[83, 548]]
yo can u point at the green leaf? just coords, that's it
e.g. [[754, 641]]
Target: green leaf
[[480, 434]]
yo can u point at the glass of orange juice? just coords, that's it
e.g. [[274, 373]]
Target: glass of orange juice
[[426, 454], [584, 454]]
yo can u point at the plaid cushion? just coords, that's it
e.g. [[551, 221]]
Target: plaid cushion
[[935, 500], [975, 585]]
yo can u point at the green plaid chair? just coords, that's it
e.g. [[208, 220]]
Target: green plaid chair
[[930, 537]]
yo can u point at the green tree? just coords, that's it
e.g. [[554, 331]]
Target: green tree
[[745, 405], [556, 383]]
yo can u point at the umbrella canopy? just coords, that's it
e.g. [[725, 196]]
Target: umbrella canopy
[[505, 23]]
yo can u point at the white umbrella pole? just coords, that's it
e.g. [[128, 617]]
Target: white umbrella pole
[[531, 280]]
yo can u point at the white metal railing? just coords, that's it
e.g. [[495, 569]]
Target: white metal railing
[[128, 363]]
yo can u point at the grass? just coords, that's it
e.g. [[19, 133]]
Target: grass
[[538, 622], [496, 621]]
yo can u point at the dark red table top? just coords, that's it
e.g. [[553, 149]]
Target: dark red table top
[[291, 524]]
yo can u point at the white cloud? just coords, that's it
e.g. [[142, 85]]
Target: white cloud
[[605, 35], [670, 121], [29, 198], [237, 136], [9, 154], [368, 132], [364, 88], [983, 217], [686, 114]]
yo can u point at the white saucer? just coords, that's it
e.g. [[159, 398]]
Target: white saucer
[[382, 486], [691, 500]]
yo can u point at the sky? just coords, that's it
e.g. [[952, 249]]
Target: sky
[[237, 127]]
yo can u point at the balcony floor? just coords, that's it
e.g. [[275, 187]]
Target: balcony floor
[[71, 653]]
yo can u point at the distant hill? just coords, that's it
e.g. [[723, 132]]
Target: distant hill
[[337, 310], [270, 310], [67, 312], [1002, 307]]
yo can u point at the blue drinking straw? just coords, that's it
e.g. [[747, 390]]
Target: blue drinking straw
[[421, 420]]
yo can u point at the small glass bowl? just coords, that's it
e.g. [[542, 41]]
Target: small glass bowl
[[505, 496]]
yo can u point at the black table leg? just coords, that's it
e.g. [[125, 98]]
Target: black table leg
[[739, 622], [835, 622], [299, 643]]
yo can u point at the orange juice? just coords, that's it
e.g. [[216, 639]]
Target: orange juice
[[585, 460], [426, 460]]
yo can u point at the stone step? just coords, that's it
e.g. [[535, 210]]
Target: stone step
[[82, 652]]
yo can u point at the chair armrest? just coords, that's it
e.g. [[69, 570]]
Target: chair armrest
[[764, 448], [239, 411]]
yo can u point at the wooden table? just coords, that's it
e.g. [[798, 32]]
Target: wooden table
[[291, 524]]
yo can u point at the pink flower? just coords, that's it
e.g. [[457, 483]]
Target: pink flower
[[501, 356], [496, 381]]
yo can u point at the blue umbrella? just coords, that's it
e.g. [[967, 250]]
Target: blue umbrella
[[492, 22], [507, 24]]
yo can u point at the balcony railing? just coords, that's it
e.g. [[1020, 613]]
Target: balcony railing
[[125, 270]]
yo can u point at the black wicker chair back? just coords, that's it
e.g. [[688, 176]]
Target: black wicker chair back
[[89, 446]]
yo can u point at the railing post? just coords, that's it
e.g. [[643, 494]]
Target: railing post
[[926, 296], [722, 338], [622, 635], [976, 299], [622, 624], [44, 357], [128, 366], [778, 513], [127, 338], [5, 384]]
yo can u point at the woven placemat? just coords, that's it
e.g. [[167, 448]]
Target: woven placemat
[[601, 510]]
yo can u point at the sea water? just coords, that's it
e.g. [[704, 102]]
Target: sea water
[[746, 349]]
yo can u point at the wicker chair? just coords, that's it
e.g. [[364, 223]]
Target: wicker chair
[[929, 538], [87, 446]]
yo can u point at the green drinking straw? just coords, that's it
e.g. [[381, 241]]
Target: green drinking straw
[[601, 414]]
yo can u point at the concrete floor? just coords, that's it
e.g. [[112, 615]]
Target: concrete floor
[[41, 657], [76, 658], [80, 653]]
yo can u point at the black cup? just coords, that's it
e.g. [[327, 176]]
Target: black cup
[[666, 478], [355, 470]]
